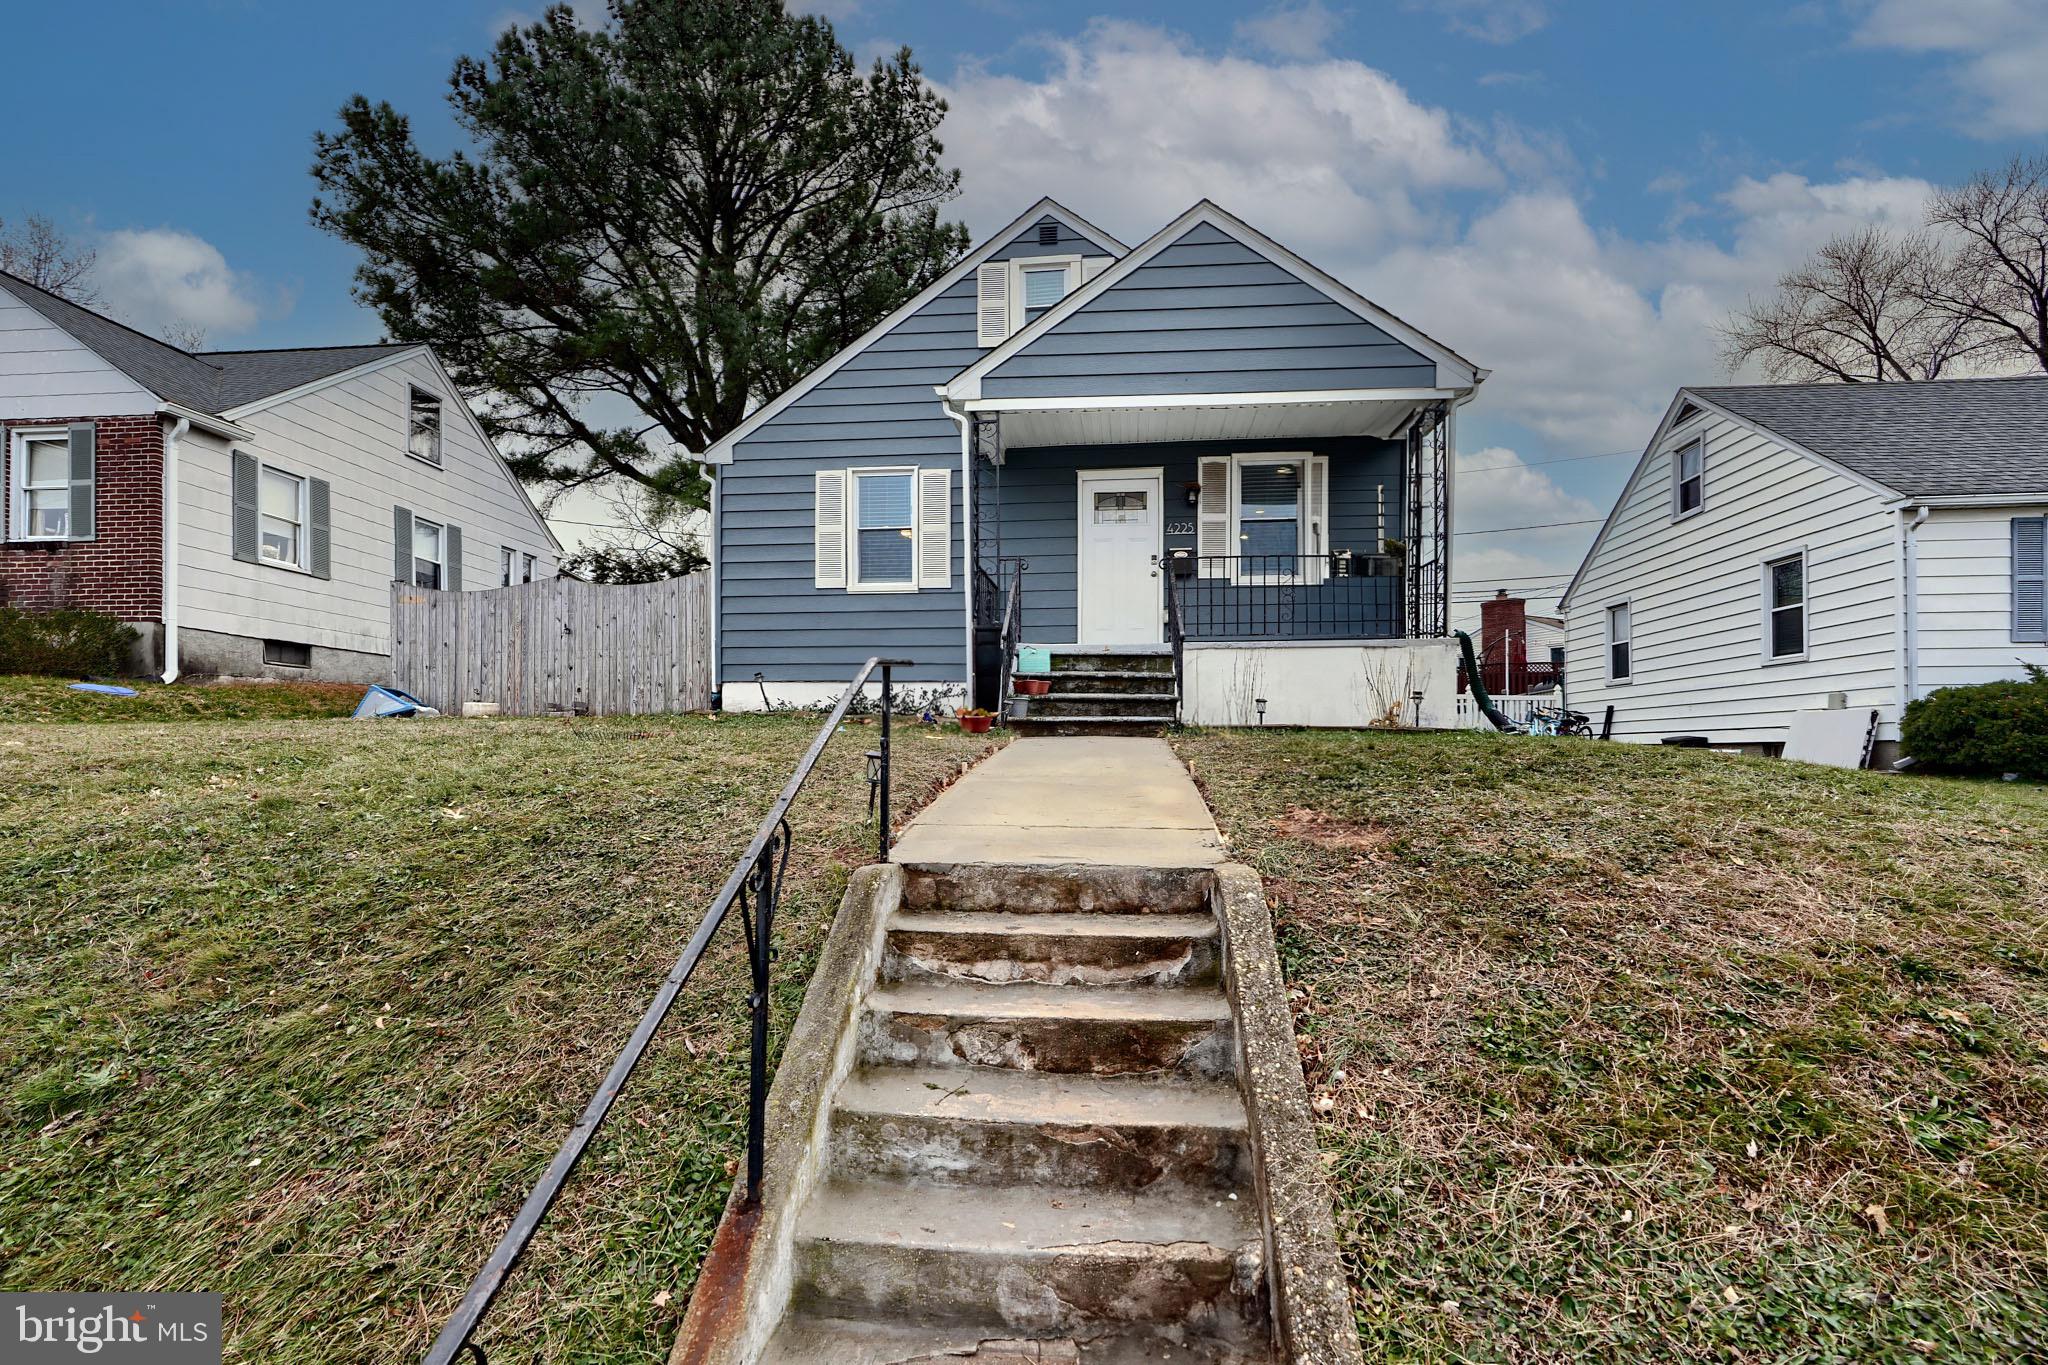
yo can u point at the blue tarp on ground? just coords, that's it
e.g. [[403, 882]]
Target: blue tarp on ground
[[103, 689], [389, 701]]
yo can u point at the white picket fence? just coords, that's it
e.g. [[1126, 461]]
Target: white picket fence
[[1517, 708]]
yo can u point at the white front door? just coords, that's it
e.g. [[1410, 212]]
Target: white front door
[[1117, 562]]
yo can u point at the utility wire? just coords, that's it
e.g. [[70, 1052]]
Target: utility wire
[[1560, 459], [1539, 526]]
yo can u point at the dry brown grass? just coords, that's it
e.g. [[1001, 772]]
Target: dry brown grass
[[1634, 1054]]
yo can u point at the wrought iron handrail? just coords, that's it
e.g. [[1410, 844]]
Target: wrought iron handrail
[[755, 885], [1176, 636], [1009, 637]]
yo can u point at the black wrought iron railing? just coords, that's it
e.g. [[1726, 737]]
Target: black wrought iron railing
[[1287, 597], [1176, 637], [1010, 636], [755, 887]]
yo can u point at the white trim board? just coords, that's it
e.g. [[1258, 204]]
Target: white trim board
[[1463, 374], [721, 450], [1294, 397]]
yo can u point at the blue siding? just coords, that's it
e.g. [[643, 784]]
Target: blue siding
[[1208, 314], [878, 408], [1039, 509]]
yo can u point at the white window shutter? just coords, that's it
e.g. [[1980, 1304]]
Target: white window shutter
[[992, 302], [1212, 518], [934, 528], [1091, 266], [828, 539], [1315, 521]]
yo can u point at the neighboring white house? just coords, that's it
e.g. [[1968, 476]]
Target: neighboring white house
[[1780, 544], [246, 510]]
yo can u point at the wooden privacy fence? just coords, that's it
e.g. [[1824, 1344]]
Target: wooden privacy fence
[[559, 645]]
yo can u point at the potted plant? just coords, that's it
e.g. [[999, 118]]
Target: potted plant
[[974, 720], [1030, 687]]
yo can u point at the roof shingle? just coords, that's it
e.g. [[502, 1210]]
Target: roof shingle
[[1936, 438], [212, 381]]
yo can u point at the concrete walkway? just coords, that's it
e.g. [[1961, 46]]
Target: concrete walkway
[[1042, 802]]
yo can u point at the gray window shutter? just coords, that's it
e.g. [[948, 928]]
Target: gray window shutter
[[244, 531], [401, 544], [2029, 574], [83, 476], [319, 516], [451, 553]]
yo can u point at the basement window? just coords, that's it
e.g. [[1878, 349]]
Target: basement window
[[287, 654]]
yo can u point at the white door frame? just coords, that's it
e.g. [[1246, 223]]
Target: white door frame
[[1155, 475]]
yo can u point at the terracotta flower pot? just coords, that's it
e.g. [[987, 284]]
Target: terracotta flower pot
[[976, 725], [1031, 687]]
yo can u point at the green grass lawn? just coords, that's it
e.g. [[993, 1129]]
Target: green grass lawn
[[298, 1010], [41, 699], [1633, 1054]]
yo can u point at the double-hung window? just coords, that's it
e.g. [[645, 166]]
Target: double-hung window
[[884, 540], [507, 559], [1689, 481], [1269, 517], [1785, 607], [1620, 641], [526, 568], [423, 431], [428, 563], [42, 485], [281, 517]]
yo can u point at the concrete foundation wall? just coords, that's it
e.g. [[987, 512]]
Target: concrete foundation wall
[[1333, 685], [207, 653]]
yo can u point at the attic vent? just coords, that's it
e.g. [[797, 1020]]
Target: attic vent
[[1048, 233], [1686, 413]]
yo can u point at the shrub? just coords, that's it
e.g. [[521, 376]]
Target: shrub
[[1992, 728], [76, 644]]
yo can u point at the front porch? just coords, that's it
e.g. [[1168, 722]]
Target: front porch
[[1285, 555]]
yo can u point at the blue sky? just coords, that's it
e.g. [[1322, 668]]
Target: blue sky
[[1570, 193]]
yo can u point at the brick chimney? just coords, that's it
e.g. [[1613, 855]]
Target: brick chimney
[[1503, 642]]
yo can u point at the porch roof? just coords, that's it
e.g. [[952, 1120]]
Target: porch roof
[[1143, 418]]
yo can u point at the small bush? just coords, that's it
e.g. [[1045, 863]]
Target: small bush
[[1992, 728], [74, 644]]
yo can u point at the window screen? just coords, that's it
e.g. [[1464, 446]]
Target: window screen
[[1788, 607]]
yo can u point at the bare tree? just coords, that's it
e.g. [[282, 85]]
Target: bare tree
[[1999, 281], [1862, 310], [186, 336], [39, 252]]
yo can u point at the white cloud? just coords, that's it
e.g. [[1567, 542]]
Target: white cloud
[[153, 278], [1296, 31], [1999, 47], [1490, 21], [1325, 154], [1471, 232]]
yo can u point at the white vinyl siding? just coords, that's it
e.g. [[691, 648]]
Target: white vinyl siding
[[353, 435], [1697, 644], [1963, 606], [45, 372]]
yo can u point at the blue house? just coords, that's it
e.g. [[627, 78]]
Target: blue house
[[1200, 474]]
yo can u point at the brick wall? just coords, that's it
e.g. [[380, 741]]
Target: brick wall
[[121, 570]]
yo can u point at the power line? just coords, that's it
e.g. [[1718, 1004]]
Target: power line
[[1538, 526], [1561, 459]]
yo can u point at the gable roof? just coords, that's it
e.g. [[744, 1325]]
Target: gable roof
[[1462, 373], [208, 381], [1936, 438], [1920, 440], [720, 451]]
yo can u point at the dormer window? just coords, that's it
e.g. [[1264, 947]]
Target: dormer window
[[1012, 294]]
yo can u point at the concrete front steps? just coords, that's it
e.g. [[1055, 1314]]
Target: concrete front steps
[[1041, 1153], [1105, 692]]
